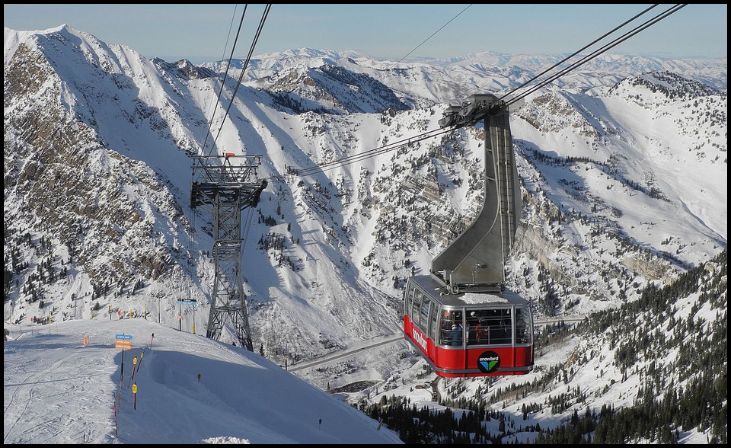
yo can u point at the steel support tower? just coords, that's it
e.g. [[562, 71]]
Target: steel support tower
[[229, 189]]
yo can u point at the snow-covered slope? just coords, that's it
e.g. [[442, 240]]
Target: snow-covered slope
[[652, 371], [58, 391], [617, 178], [116, 214], [623, 175]]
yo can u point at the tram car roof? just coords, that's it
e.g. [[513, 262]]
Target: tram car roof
[[436, 289]]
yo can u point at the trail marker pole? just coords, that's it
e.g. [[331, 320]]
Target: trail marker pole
[[116, 413], [134, 394], [123, 341], [187, 303], [134, 368]]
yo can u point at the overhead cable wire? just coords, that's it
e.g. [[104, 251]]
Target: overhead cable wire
[[435, 32], [228, 34], [577, 52], [439, 131], [243, 69], [373, 152], [385, 148], [599, 51], [380, 150], [247, 226], [225, 75]]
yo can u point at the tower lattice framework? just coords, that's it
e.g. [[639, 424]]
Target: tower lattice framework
[[228, 189]]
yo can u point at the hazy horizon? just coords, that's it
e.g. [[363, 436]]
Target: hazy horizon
[[199, 32]]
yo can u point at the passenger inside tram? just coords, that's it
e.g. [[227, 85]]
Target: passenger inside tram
[[451, 332], [492, 326]]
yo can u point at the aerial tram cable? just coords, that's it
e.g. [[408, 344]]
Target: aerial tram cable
[[243, 69], [247, 226], [435, 32], [599, 51], [435, 132], [461, 318], [576, 52], [225, 75], [383, 150], [373, 152], [228, 33], [470, 326]]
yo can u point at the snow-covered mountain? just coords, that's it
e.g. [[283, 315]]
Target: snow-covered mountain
[[427, 81], [623, 173]]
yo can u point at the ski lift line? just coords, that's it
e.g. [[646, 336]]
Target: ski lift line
[[246, 63], [341, 354], [370, 155], [363, 155], [577, 52], [228, 65], [599, 51], [380, 150], [231, 156], [375, 151], [434, 33], [347, 352]]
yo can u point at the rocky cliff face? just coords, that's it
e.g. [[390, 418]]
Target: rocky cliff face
[[72, 204]]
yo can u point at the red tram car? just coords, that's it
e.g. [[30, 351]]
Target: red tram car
[[468, 335]]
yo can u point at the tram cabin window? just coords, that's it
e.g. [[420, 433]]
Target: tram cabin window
[[408, 301], [415, 304], [433, 326], [451, 329], [523, 329], [424, 311], [493, 326], [420, 301]]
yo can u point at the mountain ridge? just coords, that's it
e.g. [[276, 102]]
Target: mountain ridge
[[621, 188]]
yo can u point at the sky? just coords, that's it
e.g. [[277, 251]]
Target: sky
[[199, 32]]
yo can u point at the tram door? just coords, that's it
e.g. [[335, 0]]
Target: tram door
[[451, 335]]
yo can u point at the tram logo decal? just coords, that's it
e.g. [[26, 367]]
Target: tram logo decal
[[488, 362], [418, 337]]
